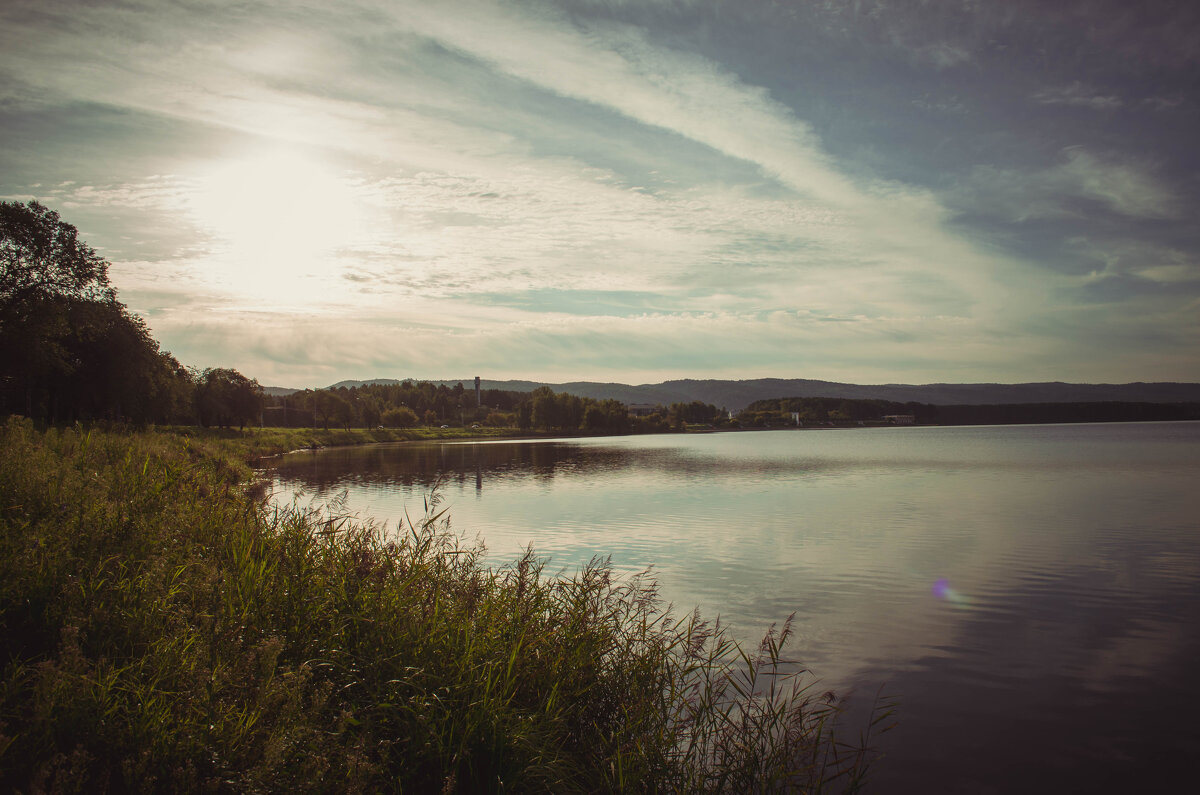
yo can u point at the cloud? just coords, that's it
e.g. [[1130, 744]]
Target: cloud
[[950, 105], [1125, 186], [1077, 95], [138, 220], [567, 221], [421, 339], [942, 55], [1148, 264], [542, 185], [1165, 103]]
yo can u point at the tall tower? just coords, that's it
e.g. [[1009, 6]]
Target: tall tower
[[477, 401]]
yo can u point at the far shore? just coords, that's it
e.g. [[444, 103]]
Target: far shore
[[261, 443]]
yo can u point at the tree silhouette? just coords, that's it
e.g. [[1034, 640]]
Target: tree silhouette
[[68, 348], [41, 256], [224, 397]]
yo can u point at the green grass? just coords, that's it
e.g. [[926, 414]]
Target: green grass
[[164, 632]]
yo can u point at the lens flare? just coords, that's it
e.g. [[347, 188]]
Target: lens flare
[[942, 590]]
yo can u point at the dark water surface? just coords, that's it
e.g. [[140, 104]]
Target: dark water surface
[[1030, 593]]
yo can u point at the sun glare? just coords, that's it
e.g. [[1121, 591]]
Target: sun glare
[[279, 220]]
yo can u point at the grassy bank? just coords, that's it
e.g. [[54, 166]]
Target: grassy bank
[[252, 443], [259, 442], [163, 632]]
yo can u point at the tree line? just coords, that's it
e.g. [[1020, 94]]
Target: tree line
[[843, 411], [546, 410], [403, 405], [411, 403]]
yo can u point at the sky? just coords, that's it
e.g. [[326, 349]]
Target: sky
[[884, 191]]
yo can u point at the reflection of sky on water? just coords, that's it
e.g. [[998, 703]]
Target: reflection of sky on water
[[1041, 568]]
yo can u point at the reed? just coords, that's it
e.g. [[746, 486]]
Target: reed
[[163, 631]]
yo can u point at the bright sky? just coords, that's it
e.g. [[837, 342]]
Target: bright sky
[[875, 191]]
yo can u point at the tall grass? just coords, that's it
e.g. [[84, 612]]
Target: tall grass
[[161, 631]]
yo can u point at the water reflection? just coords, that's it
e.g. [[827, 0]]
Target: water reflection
[[1033, 593], [751, 456], [425, 464]]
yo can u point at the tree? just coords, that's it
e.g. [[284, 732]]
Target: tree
[[68, 347], [400, 417], [369, 411], [695, 412], [32, 353], [41, 256], [114, 364], [616, 415], [224, 396], [594, 418], [500, 419], [546, 414], [172, 392], [525, 415], [44, 270], [328, 406]]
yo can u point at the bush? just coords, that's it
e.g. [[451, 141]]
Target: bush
[[500, 419]]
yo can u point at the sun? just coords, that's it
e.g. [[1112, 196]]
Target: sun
[[277, 219]]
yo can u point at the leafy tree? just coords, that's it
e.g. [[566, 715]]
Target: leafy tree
[[68, 347], [525, 415], [616, 416], [400, 417], [545, 414], [114, 363], [41, 256], [369, 411], [224, 397], [500, 419], [594, 418], [329, 406], [172, 391], [44, 270], [32, 351], [694, 412]]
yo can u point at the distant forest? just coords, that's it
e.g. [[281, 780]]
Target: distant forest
[[411, 403], [835, 411]]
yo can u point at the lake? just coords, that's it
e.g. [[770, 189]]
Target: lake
[[1030, 594]]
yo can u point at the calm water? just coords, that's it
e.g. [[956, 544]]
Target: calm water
[[1030, 593]]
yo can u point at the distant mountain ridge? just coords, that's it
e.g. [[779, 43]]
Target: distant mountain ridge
[[736, 395]]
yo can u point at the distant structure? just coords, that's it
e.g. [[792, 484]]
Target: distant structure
[[477, 393], [642, 409], [900, 419]]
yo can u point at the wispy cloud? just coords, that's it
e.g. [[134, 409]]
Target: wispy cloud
[[1125, 186], [1077, 95], [1167, 266], [943, 55]]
